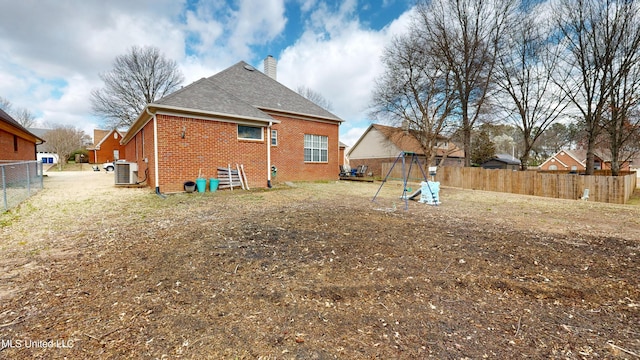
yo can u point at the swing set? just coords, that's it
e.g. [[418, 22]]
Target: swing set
[[402, 158]]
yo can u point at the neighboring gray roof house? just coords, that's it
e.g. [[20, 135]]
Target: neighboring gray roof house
[[502, 161], [41, 133]]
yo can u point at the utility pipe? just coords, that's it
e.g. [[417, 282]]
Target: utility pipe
[[155, 153]]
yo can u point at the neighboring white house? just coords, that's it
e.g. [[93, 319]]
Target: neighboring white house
[[43, 152], [47, 158], [381, 144]]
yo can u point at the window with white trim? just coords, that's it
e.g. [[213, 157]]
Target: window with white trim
[[250, 132], [274, 137], [316, 148]]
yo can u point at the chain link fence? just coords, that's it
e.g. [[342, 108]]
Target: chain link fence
[[19, 180]]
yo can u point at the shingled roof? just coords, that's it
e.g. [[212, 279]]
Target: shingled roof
[[239, 92], [409, 143], [20, 129], [256, 88], [204, 95]]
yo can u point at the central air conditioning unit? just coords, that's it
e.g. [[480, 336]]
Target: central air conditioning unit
[[126, 173]]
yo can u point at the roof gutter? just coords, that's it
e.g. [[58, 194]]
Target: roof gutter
[[155, 153]]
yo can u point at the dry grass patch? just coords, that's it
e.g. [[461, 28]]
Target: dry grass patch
[[318, 271]]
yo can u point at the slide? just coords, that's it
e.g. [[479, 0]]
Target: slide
[[415, 194]]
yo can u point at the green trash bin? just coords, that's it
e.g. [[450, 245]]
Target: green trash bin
[[213, 184], [201, 184]]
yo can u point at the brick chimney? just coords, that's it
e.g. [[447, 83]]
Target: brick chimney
[[270, 67]]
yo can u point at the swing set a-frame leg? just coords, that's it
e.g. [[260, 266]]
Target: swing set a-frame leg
[[388, 173]]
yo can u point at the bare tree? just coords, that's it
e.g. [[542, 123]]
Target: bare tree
[[558, 136], [526, 93], [314, 97], [5, 105], [63, 140], [601, 41], [621, 121], [464, 35], [139, 77], [23, 116], [415, 91]]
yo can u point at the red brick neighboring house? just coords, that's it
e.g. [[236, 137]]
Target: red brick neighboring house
[[238, 116], [16, 142], [342, 147], [106, 146], [382, 144], [576, 160]]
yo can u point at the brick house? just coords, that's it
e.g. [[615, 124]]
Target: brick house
[[381, 144], [342, 149], [576, 160], [568, 160], [16, 142], [106, 146], [238, 116]]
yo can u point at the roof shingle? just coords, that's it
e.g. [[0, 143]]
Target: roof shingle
[[204, 95], [261, 91], [11, 121]]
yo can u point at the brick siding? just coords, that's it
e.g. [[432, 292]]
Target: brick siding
[[288, 156], [105, 154], [210, 144], [26, 149]]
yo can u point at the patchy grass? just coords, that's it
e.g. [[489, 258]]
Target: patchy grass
[[319, 271], [72, 166], [634, 200]]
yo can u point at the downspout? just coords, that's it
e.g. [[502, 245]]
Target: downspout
[[35, 148], [155, 153], [269, 155]]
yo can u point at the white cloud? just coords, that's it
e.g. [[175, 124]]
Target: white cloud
[[340, 60], [259, 21], [53, 52], [219, 33], [351, 136]]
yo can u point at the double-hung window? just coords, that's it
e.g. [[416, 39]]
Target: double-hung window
[[315, 148]]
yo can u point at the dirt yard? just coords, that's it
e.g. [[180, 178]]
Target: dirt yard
[[315, 271]]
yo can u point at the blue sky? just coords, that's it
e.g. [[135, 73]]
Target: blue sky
[[51, 52]]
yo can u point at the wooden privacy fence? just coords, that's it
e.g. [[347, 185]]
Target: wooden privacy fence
[[610, 189]]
